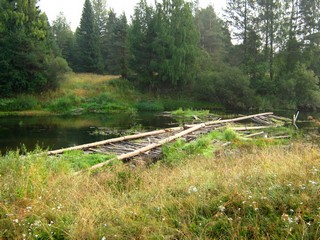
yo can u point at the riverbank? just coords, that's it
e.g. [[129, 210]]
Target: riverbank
[[90, 93], [250, 191]]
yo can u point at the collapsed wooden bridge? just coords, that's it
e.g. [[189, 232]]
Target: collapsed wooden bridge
[[149, 143]]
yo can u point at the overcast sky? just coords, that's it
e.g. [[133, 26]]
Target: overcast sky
[[72, 9]]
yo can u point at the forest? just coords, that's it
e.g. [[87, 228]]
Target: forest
[[261, 54]]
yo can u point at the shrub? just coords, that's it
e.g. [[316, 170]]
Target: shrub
[[64, 104], [22, 102], [230, 87], [150, 106]]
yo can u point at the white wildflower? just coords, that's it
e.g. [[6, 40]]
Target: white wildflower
[[221, 208], [192, 189]]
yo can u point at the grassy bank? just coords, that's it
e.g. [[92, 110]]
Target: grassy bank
[[261, 190], [83, 93]]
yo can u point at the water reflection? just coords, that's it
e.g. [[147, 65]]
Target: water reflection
[[55, 132]]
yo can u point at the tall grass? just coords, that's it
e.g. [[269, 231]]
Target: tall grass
[[250, 193]]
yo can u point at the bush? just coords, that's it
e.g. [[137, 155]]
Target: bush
[[150, 106], [230, 87], [299, 89], [21, 103], [64, 104], [55, 68]]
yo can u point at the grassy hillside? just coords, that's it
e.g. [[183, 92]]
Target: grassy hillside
[[248, 192], [83, 93]]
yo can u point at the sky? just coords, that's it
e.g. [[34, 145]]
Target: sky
[[72, 9]]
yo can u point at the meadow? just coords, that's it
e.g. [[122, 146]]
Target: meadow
[[258, 190]]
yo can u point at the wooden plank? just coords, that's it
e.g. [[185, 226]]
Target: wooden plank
[[119, 139], [234, 119], [149, 147], [249, 128]]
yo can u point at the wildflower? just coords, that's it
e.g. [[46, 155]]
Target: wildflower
[[256, 209], [192, 189], [286, 218], [103, 238], [15, 220], [221, 208], [312, 182]]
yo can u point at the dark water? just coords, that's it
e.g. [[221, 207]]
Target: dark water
[[54, 132]]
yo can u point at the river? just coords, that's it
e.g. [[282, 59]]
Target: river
[[55, 132]]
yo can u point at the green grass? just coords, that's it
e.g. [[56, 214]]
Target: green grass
[[245, 193], [82, 93], [21, 103]]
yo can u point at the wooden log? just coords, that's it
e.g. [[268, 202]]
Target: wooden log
[[281, 137], [261, 121], [233, 119], [280, 118], [249, 128], [294, 120], [149, 147], [119, 139], [255, 134]]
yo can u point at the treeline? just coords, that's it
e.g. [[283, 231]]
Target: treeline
[[29, 59], [262, 54]]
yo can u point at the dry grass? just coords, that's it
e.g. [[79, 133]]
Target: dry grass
[[270, 193]]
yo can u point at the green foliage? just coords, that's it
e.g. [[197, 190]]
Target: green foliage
[[229, 86], [179, 151], [150, 106], [190, 114], [214, 38], [64, 38], [87, 39], [117, 52], [78, 160], [64, 104], [163, 43], [229, 135], [300, 88], [103, 103], [20, 103], [26, 49]]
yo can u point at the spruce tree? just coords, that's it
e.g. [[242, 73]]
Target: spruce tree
[[116, 60], [28, 61], [87, 39]]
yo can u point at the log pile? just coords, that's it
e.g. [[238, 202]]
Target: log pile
[[149, 143]]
